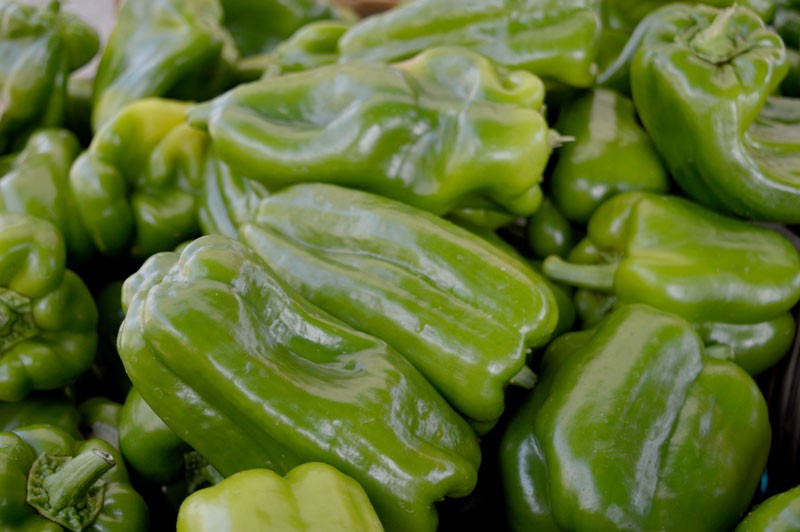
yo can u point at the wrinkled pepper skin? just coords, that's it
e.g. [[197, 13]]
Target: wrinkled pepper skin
[[779, 513], [47, 408], [163, 48], [611, 153], [39, 48], [437, 131], [49, 319], [725, 141], [119, 508], [257, 26], [148, 444], [736, 282], [228, 199], [554, 39], [136, 187], [312, 496], [462, 311], [312, 388], [36, 182], [684, 437]]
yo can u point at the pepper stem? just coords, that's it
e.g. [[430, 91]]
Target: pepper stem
[[71, 483], [592, 276], [713, 43]]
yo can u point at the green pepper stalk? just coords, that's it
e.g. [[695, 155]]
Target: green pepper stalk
[[54, 482]]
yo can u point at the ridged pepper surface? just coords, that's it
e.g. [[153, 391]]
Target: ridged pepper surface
[[253, 376], [462, 311], [439, 131]]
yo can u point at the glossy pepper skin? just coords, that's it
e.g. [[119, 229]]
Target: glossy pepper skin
[[100, 419], [35, 181], [683, 437], [136, 186], [436, 132], [312, 496], [312, 388], [554, 39], [549, 232], [610, 153], [779, 513], [24, 453], [314, 45], [228, 199], [171, 48], [48, 335], [39, 48], [462, 311], [734, 281], [147, 443], [725, 141]]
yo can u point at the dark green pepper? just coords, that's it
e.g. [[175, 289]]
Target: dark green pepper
[[148, 444], [436, 132], [259, 25], [52, 482], [462, 311], [48, 319], [48, 408], [736, 282], [779, 513], [307, 387], [549, 231], [554, 39], [171, 48], [725, 141], [610, 153], [36, 181], [632, 426], [39, 48], [137, 185], [100, 419]]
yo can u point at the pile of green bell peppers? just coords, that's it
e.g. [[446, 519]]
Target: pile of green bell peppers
[[429, 265]]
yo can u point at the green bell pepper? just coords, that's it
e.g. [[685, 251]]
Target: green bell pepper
[[148, 444], [136, 187], [48, 408], [100, 419], [779, 513], [549, 232], [314, 45], [610, 153], [312, 496], [734, 281], [48, 318], [445, 128], [36, 181], [632, 426], [462, 311], [228, 199], [52, 482], [554, 39], [259, 25], [39, 48], [725, 141], [312, 388], [171, 48]]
